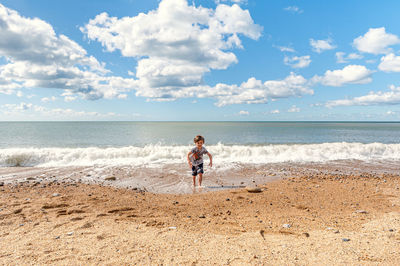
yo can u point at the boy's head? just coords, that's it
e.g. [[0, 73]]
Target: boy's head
[[199, 141]]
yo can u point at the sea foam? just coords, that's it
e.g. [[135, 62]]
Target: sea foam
[[151, 155]]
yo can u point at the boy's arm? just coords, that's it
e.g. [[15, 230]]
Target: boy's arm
[[188, 158], [210, 156]]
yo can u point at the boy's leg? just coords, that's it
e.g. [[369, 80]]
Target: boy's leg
[[201, 171], [194, 173]]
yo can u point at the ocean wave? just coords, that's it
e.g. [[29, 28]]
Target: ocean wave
[[222, 154]]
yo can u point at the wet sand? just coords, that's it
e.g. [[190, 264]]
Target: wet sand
[[310, 217]]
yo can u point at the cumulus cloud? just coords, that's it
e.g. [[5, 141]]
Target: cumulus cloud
[[244, 112], [321, 45], [342, 58], [293, 9], [351, 74], [297, 61], [391, 97], [176, 44], [276, 111], [376, 41], [255, 91], [37, 57], [390, 63]]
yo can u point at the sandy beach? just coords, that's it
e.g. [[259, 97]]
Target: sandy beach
[[308, 219]]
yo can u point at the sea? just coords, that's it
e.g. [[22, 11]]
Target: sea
[[149, 143], [96, 146]]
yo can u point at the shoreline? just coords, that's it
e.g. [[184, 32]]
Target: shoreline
[[306, 219], [176, 178]]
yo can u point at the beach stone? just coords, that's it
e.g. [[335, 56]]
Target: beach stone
[[202, 216], [70, 233], [391, 230], [56, 194], [345, 239], [57, 237], [253, 189], [306, 234], [111, 178], [286, 226]]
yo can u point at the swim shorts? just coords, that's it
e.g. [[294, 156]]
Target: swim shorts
[[197, 169]]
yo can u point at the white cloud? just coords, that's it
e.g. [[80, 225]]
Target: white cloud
[[342, 58], [176, 44], [255, 91], [390, 63], [285, 49], [376, 41], [391, 97], [293, 9], [70, 98], [49, 99], [18, 107], [275, 111], [30, 109], [294, 109], [351, 74], [37, 57], [321, 45], [20, 94], [297, 61], [355, 56], [244, 113]]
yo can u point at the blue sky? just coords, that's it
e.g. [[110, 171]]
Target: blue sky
[[199, 60]]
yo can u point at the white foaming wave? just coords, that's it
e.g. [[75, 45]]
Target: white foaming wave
[[150, 155]]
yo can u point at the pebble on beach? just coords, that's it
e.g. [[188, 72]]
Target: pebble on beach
[[253, 189]]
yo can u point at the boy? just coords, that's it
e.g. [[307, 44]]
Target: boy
[[195, 159]]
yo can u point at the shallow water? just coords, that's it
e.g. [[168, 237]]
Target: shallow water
[[176, 178]]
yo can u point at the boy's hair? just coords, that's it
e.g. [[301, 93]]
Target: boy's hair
[[198, 138]]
